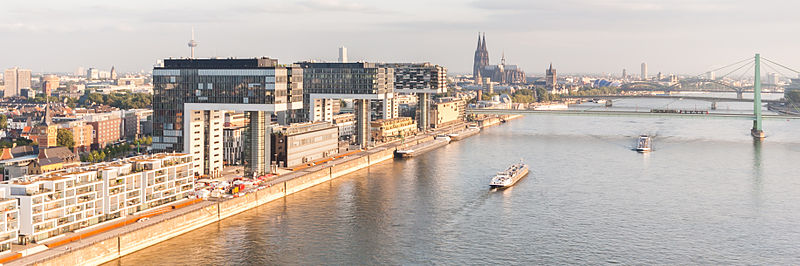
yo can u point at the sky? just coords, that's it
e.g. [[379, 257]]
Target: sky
[[577, 36]]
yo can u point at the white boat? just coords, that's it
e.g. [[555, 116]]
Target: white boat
[[510, 176], [644, 144], [444, 137]]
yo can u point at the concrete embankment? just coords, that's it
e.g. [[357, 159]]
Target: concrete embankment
[[466, 133], [123, 241], [126, 240], [421, 148], [110, 246]]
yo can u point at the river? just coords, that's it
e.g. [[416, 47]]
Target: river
[[708, 194]]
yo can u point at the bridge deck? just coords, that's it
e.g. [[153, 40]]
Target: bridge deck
[[701, 98], [627, 113]]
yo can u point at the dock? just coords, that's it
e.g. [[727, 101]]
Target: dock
[[418, 149], [464, 133]]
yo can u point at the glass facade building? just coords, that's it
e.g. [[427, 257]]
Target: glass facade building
[[238, 84]]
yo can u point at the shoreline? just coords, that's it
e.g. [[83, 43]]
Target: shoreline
[[116, 243]]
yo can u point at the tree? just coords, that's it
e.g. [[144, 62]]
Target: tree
[[92, 157], [101, 156], [792, 95], [3, 121], [24, 142], [64, 138]]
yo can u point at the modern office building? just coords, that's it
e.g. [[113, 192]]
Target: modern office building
[[304, 143], [189, 96], [16, 79], [644, 71], [422, 79], [58, 202], [361, 82]]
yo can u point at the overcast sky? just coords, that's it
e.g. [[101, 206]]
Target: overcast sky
[[577, 36]]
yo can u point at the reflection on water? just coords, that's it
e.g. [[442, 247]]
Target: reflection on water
[[707, 195]]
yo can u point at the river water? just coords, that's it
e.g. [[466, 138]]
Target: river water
[[708, 194]]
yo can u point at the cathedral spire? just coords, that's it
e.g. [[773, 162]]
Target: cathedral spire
[[503, 58], [479, 42], [484, 42]]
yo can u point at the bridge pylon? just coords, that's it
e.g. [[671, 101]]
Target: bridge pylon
[[757, 131]]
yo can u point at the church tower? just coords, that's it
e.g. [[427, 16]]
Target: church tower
[[481, 59]]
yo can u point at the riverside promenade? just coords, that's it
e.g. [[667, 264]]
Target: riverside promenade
[[124, 240]]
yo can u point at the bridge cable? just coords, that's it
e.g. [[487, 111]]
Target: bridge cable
[[795, 71], [750, 67], [737, 69], [773, 69], [714, 70]]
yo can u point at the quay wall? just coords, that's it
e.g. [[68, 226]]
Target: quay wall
[[150, 234]]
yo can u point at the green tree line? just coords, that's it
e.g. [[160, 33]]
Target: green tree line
[[119, 100]]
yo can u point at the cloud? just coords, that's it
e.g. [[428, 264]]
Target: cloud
[[339, 6]]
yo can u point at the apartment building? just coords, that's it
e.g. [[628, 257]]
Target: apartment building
[[388, 129], [58, 202], [9, 222]]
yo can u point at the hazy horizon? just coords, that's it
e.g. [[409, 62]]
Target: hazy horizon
[[577, 36]]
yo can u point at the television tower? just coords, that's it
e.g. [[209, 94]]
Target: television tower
[[192, 43]]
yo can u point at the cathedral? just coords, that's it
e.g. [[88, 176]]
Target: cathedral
[[502, 73]]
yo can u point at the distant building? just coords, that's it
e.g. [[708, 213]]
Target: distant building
[[81, 135], [106, 129], [234, 119], [346, 124], [302, 143], [550, 80], [447, 111], [644, 71], [502, 73], [49, 84], [27, 93], [130, 81], [624, 74], [92, 74], [15, 80], [113, 74], [384, 130], [46, 133], [232, 143], [342, 54]]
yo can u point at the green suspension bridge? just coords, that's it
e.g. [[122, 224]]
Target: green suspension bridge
[[757, 117]]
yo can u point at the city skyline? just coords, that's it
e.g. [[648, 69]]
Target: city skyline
[[577, 36]]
